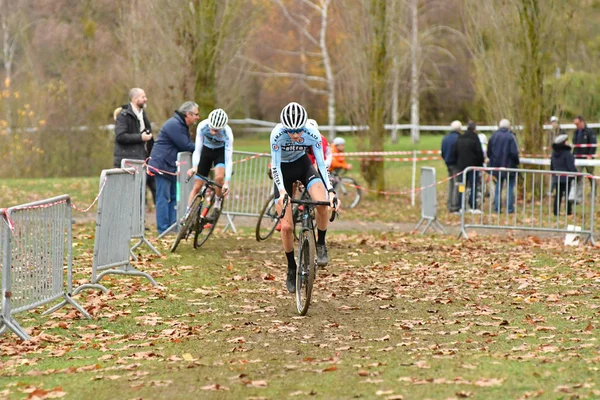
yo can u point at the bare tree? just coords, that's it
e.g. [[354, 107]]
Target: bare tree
[[365, 79], [312, 46], [13, 25], [511, 43], [420, 48]]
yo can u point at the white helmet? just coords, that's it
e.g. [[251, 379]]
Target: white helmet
[[338, 140], [313, 123], [293, 116], [217, 119]]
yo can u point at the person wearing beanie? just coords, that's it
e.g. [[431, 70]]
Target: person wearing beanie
[[562, 160], [554, 132]]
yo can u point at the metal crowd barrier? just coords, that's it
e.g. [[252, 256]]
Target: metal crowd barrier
[[113, 227], [184, 162], [429, 200], [35, 238], [139, 205], [250, 186], [534, 206]]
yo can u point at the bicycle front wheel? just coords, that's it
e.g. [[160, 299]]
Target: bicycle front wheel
[[348, 192], [188, 224], [306, 271], [206, 226], [267, 220]]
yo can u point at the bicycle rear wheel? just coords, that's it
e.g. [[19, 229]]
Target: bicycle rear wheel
[[206, 226], [348, 192], [188, 224], [306, 271], [267, 220]]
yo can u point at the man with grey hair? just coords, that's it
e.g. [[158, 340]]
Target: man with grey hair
[[449, 157], [174, 137], [133, 133], [503, 152]]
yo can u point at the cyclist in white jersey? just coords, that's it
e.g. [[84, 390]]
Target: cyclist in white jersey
[[214, 146], [289, 163]]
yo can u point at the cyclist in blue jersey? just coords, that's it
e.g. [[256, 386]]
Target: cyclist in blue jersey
[[214, 146], [289, 163]]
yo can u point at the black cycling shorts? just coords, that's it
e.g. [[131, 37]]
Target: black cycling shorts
[[300, 170], [208, 157]]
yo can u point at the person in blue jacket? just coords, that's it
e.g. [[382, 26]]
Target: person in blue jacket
[[449, 157], [562, 160], [503, 152], [174, 137]]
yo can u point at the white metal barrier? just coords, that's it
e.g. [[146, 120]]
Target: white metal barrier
[[250, 185], [530, 200], [138, 227], [35, 239], [113, 227], [429, 201]]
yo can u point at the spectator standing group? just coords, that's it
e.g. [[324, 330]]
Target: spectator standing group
[[461, 151]]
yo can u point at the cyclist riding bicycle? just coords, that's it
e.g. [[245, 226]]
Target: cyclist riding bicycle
[[214, 146], [338, 161], [289, 163]]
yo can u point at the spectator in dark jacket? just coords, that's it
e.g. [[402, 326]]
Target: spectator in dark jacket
[[449, 157], [132, 129], [468, 153], [133, 133], [562, 160], [174, 137], [584, 147], [503, 152]]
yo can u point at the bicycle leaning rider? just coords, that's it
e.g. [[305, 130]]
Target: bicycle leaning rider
[[214, 146], [290, 163]]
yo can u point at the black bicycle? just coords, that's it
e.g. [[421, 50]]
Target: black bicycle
[[268, 218], [201, 218], [346, 188], [307, 259]]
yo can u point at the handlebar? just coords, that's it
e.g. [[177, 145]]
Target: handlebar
[[204, 178], [287, 200]]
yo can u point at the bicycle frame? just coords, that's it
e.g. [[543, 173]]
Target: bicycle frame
[[307, 262], [194, 220]]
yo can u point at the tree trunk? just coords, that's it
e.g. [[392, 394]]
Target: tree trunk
[[414, 86], [373, 171], [204, 60], [7, 57], [328, 70], [531, 77]]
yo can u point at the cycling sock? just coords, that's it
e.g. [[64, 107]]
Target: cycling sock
[[218, 202], [321, 236], [291, 260]]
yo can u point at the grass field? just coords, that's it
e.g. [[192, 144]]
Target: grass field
[[394, 317]]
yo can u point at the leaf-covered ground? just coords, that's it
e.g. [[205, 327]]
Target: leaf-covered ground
[[395, 316]]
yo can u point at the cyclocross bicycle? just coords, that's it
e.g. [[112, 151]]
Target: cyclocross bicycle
[[268, 218], [346, 188], [199, 219], [307, 247]]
